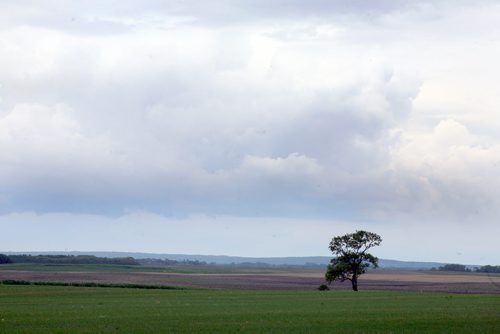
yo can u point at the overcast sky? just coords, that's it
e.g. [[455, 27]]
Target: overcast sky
[[252, 127]]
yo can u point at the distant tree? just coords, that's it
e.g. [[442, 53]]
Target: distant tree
[[488, 269], [454, 267], [4, 259], [351, 257]]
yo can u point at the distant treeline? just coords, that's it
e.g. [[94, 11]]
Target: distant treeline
[[454, 267], [462, 268], [67, 259], [91, 259], [489, 269], [4, 259]]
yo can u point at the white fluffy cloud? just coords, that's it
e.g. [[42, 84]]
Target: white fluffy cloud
[[449, 171]]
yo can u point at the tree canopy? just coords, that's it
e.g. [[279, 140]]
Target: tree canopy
[[351, 257], [4, 259]]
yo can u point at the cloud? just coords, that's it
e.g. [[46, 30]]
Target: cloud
[[152, 106], [449, 171], [294, 165], [46, 156], [325, 109]]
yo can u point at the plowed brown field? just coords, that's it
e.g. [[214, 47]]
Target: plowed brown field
[[424, 281]]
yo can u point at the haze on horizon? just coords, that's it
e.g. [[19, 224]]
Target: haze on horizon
[[251, 128]]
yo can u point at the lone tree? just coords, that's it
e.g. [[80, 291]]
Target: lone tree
[[351, 258]]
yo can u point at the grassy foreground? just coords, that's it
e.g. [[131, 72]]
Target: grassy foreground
[[55, 309]]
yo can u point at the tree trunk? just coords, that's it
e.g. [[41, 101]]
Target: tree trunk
[[354, 282]]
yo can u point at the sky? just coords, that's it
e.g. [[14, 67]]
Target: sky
[[251, 127]]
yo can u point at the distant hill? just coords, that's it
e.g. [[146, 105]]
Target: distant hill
[[223, 259]]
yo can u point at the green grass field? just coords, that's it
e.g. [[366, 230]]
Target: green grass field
[[53, 309]]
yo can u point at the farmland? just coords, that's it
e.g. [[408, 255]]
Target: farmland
[[50, 309], [266, 278], [231, 299]]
